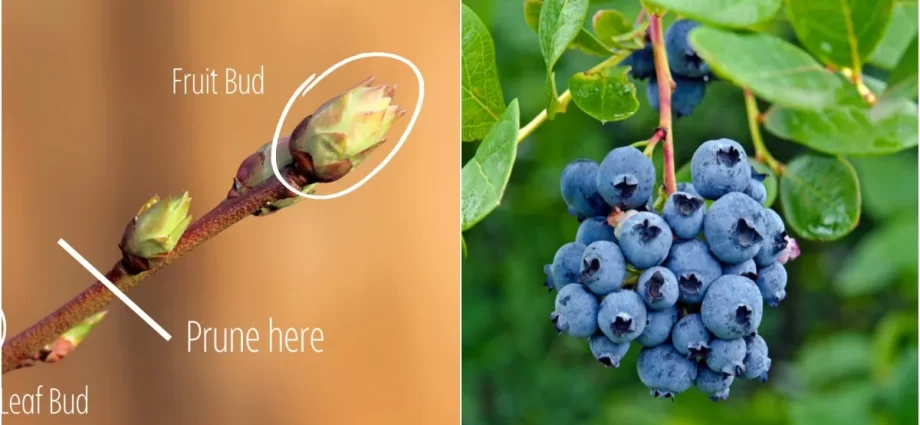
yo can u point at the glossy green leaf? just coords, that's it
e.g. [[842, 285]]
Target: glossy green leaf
[[901, 30], [485, 176], [878, 259], [902, 82], [820, 197], [584, 41], [609, 24], [878, 175], [482, 101], [834, 358], [560, 22], [848, 130], [842, 33], [849, 404], [902, 394], [607, 95], [723, 13], [779, 71]]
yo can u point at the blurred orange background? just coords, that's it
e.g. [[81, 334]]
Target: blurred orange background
[[91, 130]]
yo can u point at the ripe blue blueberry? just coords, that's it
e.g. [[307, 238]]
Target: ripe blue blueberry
[[716, 385], [771, 280], [603, 267], [682, 59], [687, 187], [645, 240], [626, 178], [594, 229], [688, 94], [566, 267], [664, 371], [606, 351], [732, 307], [734, 227], [684, 212], [774, 239], [658, 288], [576, 311], [690, 337], [747, 269], [756, 189], [579, 189], [642, 63], [727, 356], [695, 269], [658, 328], [718, 167], [622, 316], [756, 362]]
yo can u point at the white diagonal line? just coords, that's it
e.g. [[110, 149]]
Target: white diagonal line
[[121, 295]]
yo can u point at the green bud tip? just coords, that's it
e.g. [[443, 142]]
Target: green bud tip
[[68, 341], [344, 131], [157, 228]]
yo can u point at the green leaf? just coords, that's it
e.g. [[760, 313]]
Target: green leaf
[[902, 395], [606, 95], [609, 24], [482, 101], [835, 358], [723, 13], [485, 176], [779, 71], [902, 82], [877, 177], [878, 259], [901, 30], [560, 22], [848, 130], [770, 182], [840, 32], [584, 41], [820, 197], [849, 404]]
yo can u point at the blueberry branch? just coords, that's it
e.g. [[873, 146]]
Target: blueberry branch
[[21, 349], [665, 87], [566, 96], [760, 149]]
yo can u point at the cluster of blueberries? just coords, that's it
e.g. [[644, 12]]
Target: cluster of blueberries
[[688, 70], [687, 284]]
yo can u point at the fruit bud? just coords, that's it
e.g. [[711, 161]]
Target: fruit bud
[[344, 131], [155, 230]]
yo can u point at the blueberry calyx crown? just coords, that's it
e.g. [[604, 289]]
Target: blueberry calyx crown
[[779, 242], [698, 351], [728, 156], [626, 186], [757, 176], [743, 316], [591, 266], [746, 235], [687, 204], [622, 324], [690, 283], [648, 231], [655, 282]]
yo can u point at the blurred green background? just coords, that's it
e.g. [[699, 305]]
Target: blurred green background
[[843, 343]]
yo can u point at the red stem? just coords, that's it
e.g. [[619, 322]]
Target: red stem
[[665, 86], [21, 348]]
